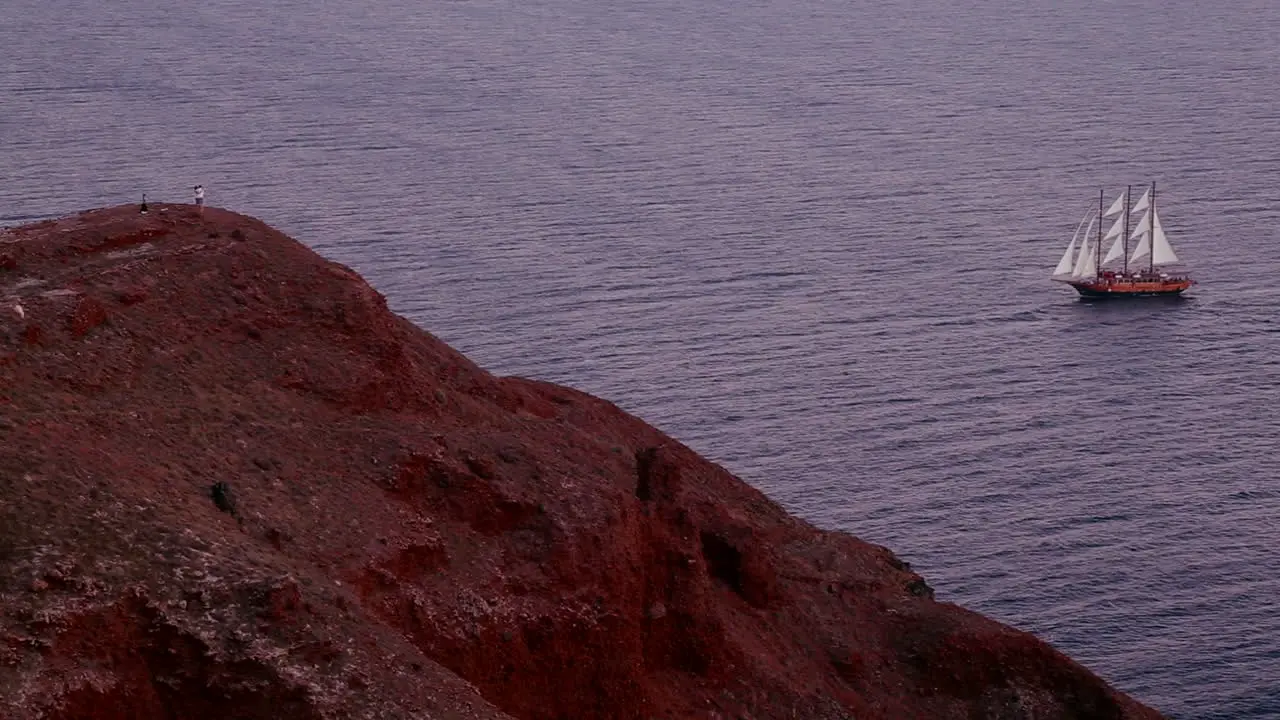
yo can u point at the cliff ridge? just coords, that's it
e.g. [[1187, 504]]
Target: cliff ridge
[[234, 484]]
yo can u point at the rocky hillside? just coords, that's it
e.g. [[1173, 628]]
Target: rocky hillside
[[234, 485]]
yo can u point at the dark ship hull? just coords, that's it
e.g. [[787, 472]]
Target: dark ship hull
[[1131, 287]]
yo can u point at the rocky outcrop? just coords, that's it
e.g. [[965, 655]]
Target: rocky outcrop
[[233, 484]]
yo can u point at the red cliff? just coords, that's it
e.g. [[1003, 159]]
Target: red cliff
[[234, 485]]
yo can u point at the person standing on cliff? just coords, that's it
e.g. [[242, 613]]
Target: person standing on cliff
[[200, 198]]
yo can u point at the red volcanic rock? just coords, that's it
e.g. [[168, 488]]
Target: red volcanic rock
[[87, 315], [236, 485]]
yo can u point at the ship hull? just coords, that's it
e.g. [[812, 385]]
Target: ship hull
[[1124, 288]]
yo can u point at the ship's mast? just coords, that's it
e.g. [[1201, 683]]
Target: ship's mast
[[1151, 228], [1097, 268], [1127, 190]]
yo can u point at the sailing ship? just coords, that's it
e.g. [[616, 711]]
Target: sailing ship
[[1152, 269]]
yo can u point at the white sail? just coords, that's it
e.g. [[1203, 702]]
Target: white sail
[[1082, 258], [1140, 252], [1163, 252], [1090, 266], [1065, 264], [1116, 207], [1116, 252], [1086, 261], [1086, 250], [1152, 243], [1142, 202], [1117, 228], [1144, 227]]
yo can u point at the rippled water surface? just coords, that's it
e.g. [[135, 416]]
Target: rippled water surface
[[810, 239]]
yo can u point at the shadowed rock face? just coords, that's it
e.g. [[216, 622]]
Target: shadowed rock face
[[233, 484]]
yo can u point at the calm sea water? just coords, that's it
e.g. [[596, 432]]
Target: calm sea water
[[809, 238]]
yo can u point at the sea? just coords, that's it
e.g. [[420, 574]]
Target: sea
[[811, 239]]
